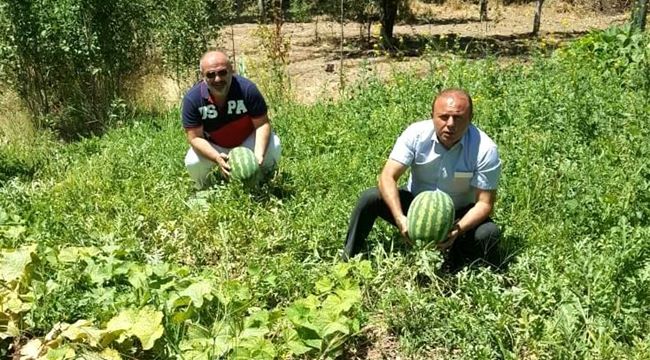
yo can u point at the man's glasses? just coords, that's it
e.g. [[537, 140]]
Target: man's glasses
[[213, 74]]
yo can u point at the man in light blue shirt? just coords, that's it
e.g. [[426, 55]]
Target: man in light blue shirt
[[447, 153]]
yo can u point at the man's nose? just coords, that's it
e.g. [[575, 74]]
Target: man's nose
[[451, 122]]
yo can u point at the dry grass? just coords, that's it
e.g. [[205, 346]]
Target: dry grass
[[15, 122]]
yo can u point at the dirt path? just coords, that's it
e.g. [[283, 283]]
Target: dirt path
[[314, 61]]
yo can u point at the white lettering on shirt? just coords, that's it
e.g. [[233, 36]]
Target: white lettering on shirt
[[208, 112]]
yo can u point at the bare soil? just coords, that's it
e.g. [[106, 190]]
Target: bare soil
[[314, 58]]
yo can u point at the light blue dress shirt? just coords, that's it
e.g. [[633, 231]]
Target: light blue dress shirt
[[472, 163]]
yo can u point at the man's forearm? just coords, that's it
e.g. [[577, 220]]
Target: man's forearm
[[204, 148], [474, 217], [390, 195], [262, 136]]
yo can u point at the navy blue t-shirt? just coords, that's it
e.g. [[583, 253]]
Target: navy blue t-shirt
[[226, 126]]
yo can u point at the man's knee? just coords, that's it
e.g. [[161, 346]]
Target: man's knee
[[487, 236], [369, 196]]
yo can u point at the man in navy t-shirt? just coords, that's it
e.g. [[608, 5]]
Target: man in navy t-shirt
[[221, 112]]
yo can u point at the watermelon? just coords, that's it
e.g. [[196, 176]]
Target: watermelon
[[243, 165], [430, 216]]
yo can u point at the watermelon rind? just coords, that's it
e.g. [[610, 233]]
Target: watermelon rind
[[430, 217], [243, 165]]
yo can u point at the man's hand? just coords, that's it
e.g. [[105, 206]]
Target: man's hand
[[222, 162], [260, 159], [451, 237], [403, 226]]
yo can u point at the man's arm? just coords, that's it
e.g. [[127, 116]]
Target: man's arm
[[262, 136], [203, 148], [474, 217], [392, 171]]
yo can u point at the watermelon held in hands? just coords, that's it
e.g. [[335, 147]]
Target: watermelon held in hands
[[430, 217], [243, 165]]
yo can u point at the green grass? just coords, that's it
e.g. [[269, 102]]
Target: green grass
[[574, 203]]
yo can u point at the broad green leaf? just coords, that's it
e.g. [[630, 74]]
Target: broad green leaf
[[324, 285], [341, 270], [365, 269], [197, 292], [14, 262], [99, 273], [195, 331], [297, 347], [258, 318], [334, 327], [297, 312], [233, 292], [137, 277], [255, 348], [254, 332], [349, 298]]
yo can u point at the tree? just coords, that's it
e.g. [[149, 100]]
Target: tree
[[483, 10], [538, 17], [639, 13], [388, 16]]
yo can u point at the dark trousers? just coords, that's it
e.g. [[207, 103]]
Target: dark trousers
[[478, 243]]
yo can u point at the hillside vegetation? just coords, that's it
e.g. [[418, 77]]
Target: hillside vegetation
[[108, 250]]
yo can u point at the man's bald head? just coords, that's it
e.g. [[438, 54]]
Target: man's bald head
[[459, 94], [217, 73], [212, 59]]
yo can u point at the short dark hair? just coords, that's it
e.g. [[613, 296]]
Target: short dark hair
[[450, 91]]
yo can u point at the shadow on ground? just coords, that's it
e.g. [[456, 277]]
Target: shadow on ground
[[515, 45]]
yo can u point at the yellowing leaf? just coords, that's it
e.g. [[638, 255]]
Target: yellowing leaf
[[76, 253], [110, 354], [31, 350], [10, 330], [148, 327], [62, 353], [324, 285], [13, 263], [82, 331], [145, 324]]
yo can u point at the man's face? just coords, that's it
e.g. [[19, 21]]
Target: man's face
[[451, 118], [218, 76]]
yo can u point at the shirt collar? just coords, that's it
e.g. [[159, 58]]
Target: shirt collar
[[205, 93]]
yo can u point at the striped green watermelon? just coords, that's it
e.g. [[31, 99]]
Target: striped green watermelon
[[430, 216], [243, 165]]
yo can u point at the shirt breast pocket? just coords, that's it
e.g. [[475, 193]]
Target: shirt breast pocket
[[461, 181]]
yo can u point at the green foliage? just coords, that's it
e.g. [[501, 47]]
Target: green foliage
[[69, 61], [255, 275]]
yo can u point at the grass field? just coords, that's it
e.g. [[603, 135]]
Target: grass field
[[109, 230]]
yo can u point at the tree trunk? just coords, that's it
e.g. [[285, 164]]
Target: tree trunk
[[262, 8], [388, 16], [538, 17], [639, 13], [483, 9]]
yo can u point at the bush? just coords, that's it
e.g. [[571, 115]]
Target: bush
[[68, 60]]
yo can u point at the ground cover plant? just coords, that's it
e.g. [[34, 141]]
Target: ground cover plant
[[108, 250]]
